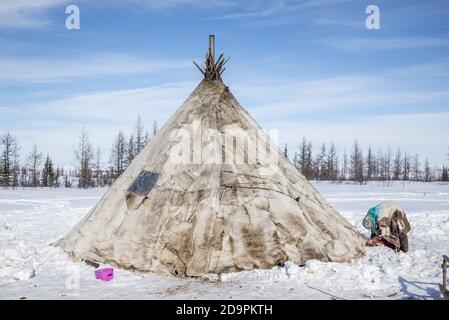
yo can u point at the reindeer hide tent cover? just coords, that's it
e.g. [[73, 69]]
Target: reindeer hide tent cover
[[190, 218]]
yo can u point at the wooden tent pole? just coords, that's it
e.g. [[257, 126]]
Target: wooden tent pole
[[212, 69], [212, 47]]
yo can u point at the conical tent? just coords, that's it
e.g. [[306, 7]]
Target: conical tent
[[211, 193]]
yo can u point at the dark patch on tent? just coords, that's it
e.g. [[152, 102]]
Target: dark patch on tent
[[144, 183]]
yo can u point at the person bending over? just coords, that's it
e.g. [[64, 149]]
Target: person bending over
[[388, 225]]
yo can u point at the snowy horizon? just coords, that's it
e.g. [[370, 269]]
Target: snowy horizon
[[306, 68]]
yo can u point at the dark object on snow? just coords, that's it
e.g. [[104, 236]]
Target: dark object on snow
[[144, 183], [92, 263], [443, 286]]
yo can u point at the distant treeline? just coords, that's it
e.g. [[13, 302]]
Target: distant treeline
[[94, 170], [380, 165], [91, 170]]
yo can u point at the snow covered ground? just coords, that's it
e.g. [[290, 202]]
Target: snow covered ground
[[31, 268]]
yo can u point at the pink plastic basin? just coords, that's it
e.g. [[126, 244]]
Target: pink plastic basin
[[105, 274]]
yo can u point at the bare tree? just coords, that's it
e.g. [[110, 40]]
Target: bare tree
[[345, 167], [48, 173], [388, 156], [98, 167], [139, 136], [118, 155], [320, 163], [397, 165], [9, 166], [15, 164], [357, 164], [24, 176], [131, 150], [34, 161], [332, 163], [84, 157], [381, 165], [309, 161], [302, 157], [370, 164], [445, 174], [406, 167], [427, 171], [416, 168]]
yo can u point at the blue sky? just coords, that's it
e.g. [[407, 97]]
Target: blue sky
[[303, 67]]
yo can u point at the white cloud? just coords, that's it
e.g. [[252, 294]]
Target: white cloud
[[170, 4], [270, 12], [387, 43], [336, 94], [114, 107], [431, 70], [97, 65], [34, 13], [331, 22], [120, 106], [26, 13], [266, 99]]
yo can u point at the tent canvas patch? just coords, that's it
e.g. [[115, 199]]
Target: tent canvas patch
[[144, 183]]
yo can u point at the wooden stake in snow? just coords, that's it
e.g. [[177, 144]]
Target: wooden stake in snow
[[212, 70]]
